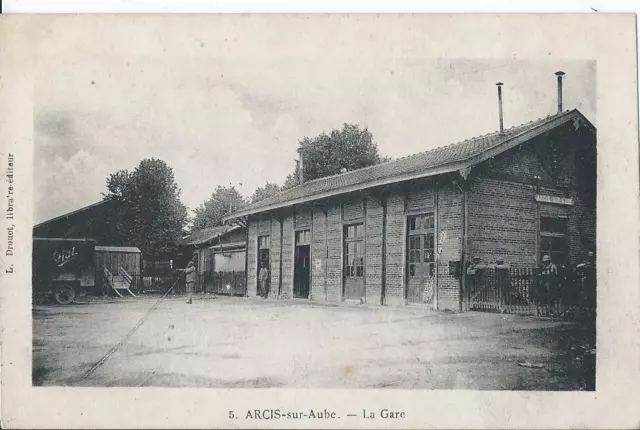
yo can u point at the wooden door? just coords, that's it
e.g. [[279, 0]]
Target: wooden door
[[421, 259], [302, 264], [354, 262]]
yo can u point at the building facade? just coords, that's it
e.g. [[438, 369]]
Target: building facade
[[219, 254], [402, 232]]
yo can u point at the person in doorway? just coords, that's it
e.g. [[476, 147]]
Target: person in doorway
[[263, 280], [190, 280]]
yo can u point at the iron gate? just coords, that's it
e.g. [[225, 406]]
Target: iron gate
[[527, 291]]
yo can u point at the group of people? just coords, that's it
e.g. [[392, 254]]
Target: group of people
[[547, 267]]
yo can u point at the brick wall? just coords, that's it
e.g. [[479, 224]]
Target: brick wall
[[521, 162], [287, 257], [264, 227], [235, 236], [421, 198], [274, 258], [449, 237], [353, 209], [504, 216], [334, 260], [582, 229], [252, 258], [303, 218], [396, 225], [373, 253], [318, 252], [502, 222]]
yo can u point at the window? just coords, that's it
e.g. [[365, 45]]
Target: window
[[354, 231], [421, 245], [303, 237], [354, 251], [553, 225], [263, 242], [421, 223], [553, 239]]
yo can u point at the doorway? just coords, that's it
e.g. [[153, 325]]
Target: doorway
[[262, 276], [421, 266], [354, 262], [302, 264]]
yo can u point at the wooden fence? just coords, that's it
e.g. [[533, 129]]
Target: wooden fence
[[160, 283], [210, 282], [227, 283], [527, 291]]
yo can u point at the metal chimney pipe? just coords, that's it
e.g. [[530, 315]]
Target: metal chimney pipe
[[499, 84], [560, 74], [300, 165]]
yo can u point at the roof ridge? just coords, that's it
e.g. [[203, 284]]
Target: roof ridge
[[73, 212], [404, 157]]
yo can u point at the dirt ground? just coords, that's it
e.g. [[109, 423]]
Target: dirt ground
[[240, 342]]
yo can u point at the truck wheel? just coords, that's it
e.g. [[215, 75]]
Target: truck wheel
[[64, 294]]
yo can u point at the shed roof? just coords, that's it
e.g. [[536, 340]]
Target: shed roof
[[125, 249], [63, 239], [69, 214], [205, 235], [436, 161]]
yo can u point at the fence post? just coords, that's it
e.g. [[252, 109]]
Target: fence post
[[500, 284], [470, 287]]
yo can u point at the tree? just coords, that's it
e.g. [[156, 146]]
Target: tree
[[328, 154], [269, 189], [222, 202], [146, 209]]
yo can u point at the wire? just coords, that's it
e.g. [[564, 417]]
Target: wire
[[128, 335]]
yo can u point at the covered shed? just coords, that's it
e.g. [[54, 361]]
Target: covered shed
[[116, 258], [220, 258]]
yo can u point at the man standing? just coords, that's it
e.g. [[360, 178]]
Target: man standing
[[475, 277], [263, 280], [190, 280], [547, 285], [548, 268], [586, 272]]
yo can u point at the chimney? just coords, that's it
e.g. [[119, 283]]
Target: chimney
[[560, 74], [300, 165], [499, 84]]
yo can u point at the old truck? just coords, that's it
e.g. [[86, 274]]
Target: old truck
[[64, 268]]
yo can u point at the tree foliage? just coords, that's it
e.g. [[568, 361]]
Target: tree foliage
[[267, 190], [146, 208], [328, 154], [223, 201]]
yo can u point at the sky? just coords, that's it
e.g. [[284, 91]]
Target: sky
[[237, 119]]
